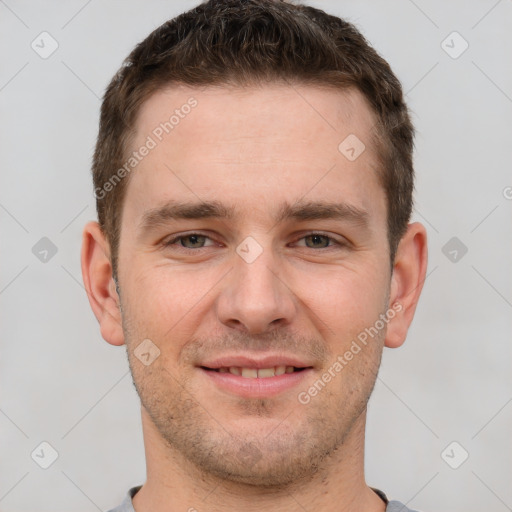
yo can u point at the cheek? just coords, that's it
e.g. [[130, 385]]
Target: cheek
[[164, 303], [345, 300]]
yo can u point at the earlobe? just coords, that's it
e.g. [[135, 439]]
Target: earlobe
[[99, 283], [409, 273]]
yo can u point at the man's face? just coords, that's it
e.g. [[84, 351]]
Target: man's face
[[282, 271]]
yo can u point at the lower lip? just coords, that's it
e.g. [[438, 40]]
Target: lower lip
[[256, 387]]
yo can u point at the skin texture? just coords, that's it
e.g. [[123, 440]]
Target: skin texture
[[252, 150]]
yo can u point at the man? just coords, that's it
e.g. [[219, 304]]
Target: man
[[253, 175]]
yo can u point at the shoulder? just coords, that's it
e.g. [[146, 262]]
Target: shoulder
[[126, 505], [397, 506]]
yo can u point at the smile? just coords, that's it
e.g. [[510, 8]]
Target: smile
[[250, 382], [257, 373]]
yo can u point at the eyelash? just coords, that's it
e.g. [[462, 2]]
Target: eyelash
[[331, 239]]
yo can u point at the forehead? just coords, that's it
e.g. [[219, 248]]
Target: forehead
[[275, 110], [278, 141]]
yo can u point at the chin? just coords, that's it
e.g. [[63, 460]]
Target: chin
[[267, 473]]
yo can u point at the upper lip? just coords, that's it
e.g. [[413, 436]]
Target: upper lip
[[245, 361]]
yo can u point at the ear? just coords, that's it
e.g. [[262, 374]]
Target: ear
[[409, 272], [99, 283]]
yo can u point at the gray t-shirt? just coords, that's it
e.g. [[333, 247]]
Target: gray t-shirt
[[127, 506]]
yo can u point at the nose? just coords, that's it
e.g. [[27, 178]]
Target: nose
[[254, 298]]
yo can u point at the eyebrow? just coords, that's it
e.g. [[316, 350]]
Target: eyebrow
[[175, 210], [299, 211], [315, 210]]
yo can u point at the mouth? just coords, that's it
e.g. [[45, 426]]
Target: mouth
[[256, 373], [250, 378]]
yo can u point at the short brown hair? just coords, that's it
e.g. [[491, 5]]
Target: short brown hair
[[244, 42]]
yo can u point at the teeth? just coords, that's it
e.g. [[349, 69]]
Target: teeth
[[266, 372], [280, 370], [249, 372], [261, 373]]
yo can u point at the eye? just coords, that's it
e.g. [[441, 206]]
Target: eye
[[318, 241], [191, 241]]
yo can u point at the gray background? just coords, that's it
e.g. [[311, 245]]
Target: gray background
[[451, 381]]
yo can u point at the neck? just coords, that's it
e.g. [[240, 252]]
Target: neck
[[173, 483]]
